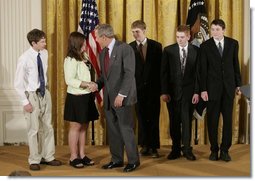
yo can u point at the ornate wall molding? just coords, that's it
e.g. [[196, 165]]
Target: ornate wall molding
[[17, 18]]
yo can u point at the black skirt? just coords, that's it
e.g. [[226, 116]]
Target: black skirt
[[80, 108]]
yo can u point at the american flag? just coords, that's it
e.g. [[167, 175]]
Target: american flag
[[88, 21], [198, 22]]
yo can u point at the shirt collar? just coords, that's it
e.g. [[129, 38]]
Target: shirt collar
[[34, 52], [217, 41], [143, 42], [111, 45], [185, 48]]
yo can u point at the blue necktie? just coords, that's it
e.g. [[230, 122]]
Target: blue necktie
[[41, 75]]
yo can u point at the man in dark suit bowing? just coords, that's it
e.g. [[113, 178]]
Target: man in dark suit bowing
[[179, 88], [117, 61], [148, 55], [220, 80]]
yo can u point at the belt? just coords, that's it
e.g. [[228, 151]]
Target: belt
[[38, 90]]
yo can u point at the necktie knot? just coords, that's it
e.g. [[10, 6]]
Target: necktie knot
[[41, 75]]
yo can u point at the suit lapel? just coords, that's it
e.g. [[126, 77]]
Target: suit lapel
[[188, 60], [225, 48], [147, 63], [215, 48], [112, 57], [177, 59]]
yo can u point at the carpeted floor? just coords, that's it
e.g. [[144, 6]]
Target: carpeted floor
[[15, 158]]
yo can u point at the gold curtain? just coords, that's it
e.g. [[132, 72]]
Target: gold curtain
[[162, 17]]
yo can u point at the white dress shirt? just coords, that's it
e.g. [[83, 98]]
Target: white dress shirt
[[26, 76], [110, 46], [221, 41]]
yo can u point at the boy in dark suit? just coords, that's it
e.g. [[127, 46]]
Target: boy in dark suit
[[220, 80], [148, 55], [180, 90]]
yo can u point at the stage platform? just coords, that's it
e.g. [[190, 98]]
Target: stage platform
[[15, 158]]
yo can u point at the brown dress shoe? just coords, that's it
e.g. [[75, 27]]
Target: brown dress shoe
[[52, 163], [34, 166]]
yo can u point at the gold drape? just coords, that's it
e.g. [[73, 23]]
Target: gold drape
[[162, 17]]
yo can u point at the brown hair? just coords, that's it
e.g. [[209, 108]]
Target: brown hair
[[219, 22], [75, 42], [35, 35], [138, 24], [183, 28]]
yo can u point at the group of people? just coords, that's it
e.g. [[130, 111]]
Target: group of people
[[137, 75]]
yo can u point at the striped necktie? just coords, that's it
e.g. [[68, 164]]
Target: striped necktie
[[183, 59]]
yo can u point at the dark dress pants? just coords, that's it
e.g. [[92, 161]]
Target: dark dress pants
[[180, 113], [148, 125], [214, 108], [120, 131]]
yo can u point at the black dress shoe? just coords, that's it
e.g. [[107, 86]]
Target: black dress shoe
[[189, 155], [112, 165], [145, 151], [154, 153], [131, 167], [225, 156], [174, 155], [214, 156]]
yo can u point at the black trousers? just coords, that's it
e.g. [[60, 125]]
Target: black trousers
[[214, 108], [180, 114], [148, 125]]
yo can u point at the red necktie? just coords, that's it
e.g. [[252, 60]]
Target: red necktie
[[106, 61]]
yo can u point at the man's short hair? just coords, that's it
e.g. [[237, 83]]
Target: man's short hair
[[138, 24], [183, 28], [35, 35], [219, 22], [106, 30]]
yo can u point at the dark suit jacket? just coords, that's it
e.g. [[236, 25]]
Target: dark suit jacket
[[172, 81], [120, 78], [147, 76], [218, 72]]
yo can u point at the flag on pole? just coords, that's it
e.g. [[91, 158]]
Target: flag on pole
[[198, 22], [199, 30], [88, 21]]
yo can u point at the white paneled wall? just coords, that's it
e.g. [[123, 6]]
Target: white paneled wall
[[17, 18]]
